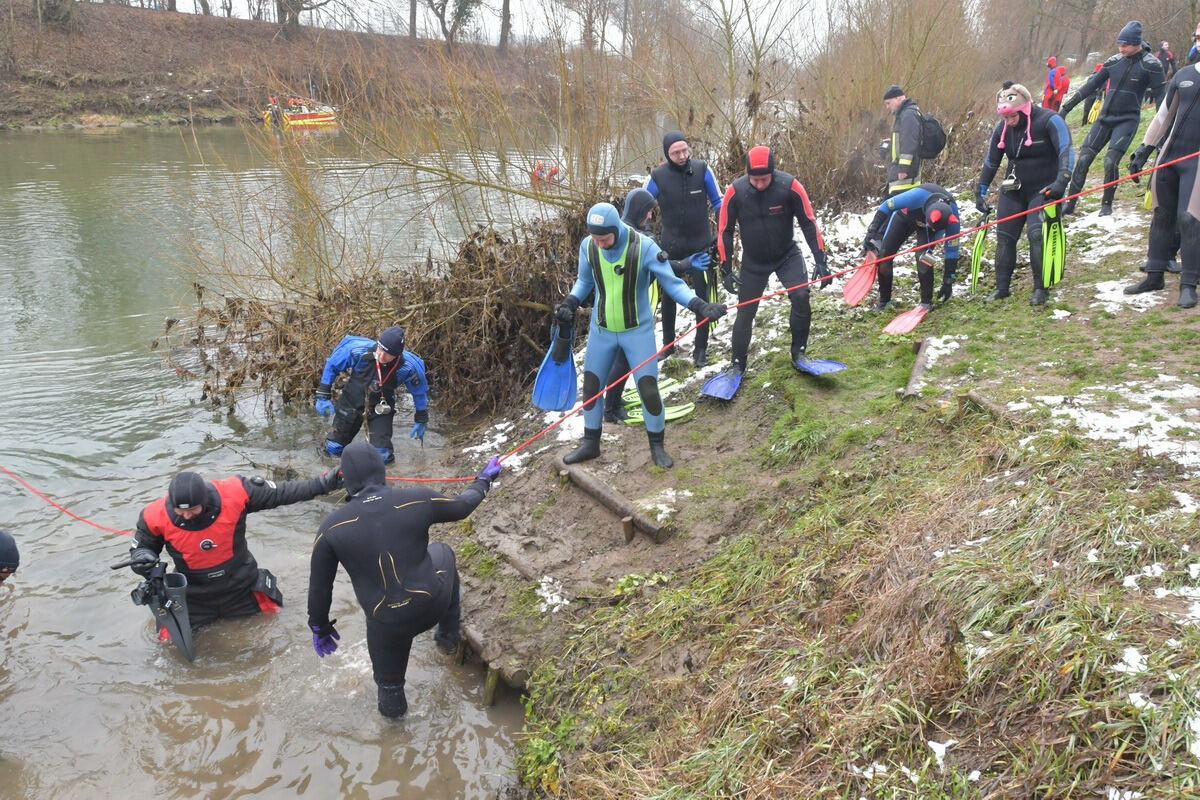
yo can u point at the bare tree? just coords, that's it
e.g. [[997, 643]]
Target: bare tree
[[412, 19], [505, 26], [452, 15], [288, 13]]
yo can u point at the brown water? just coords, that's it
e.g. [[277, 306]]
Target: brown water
[[90, 704]]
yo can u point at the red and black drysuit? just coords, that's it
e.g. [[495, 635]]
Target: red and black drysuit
[[224, 580], [768, 245]]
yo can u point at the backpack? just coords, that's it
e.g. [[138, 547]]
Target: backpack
[[933, 136]]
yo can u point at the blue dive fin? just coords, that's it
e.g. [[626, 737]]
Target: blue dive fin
[[723, 386], [554, 388], [817, 366]]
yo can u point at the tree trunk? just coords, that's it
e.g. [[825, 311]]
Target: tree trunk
[[205, 8], [505, 26], [412, 19]]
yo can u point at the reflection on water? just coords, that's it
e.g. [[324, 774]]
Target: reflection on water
[[92, 705]]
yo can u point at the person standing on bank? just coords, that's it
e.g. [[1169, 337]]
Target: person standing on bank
[[685, 189], [203, 527], [376, 369], [1175, 189], [637, 214], [763, 203], [618, 263], [1037, 145], [405, 584], [904, 159], [1130, 74]]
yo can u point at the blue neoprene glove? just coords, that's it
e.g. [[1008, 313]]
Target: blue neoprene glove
[[324, 406], [700, 261], [418, 431], [325, 638]]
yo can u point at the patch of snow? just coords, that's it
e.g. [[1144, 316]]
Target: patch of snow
[[1132, 662], [1059, 313], [550, 592], [939, 751], [1110, 296], [1139, 701]]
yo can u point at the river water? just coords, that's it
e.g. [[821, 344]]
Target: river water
[[92, 705]]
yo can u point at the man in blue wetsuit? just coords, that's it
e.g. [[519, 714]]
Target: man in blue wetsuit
[[376, 368], [930, 212], [618, 264], [685, 189]]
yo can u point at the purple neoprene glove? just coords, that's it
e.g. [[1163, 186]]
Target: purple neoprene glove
[[492, 469], [325, 638]]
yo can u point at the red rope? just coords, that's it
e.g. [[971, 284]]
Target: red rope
[[60, 507]]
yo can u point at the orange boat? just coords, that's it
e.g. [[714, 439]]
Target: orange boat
[[305, 114]]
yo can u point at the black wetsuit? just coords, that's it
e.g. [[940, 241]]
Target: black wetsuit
[[683, 197], [768, 245], [1176, 129], [404, 584], [224, 580], [1036, 165], [1128, 79]]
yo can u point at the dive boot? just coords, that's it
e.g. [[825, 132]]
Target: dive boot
[[1106, 209], [1187, 296], [588, 450], [1069, 206], [392, 702], [700, 357], [657, 452], [882, 305], [617, 414], [999, 294], [447, 641], [1040, 296], [1173, 267], [1151, 283]]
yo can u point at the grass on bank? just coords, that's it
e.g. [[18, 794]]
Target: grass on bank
[[922, 577]]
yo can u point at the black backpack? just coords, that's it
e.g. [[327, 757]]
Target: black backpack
[[933, 136]]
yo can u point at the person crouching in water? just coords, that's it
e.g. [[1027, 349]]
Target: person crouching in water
[[1040, 157], [405, 584], [618, 264]]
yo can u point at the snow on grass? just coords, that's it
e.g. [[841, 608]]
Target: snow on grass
[[1110, 295], [1142, 420]]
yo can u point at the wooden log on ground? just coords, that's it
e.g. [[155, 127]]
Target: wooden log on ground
[[995, 410], [491, 654], [608, 497], [915, 378]]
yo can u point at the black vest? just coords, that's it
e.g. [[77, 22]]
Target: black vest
[[683, 201]]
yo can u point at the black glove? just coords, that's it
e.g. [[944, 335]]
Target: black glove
[[1056, 190], [143, 559], [564, 312], [330, 480], [949, 271], [705, 310], [728, 279], [821, 271], [981, 203], [1137, 161]]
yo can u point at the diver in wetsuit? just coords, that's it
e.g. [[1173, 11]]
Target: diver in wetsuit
[[405, 584]]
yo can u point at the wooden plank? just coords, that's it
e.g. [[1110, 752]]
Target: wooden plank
[[610, 499], [918, 370]]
